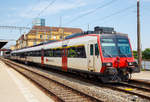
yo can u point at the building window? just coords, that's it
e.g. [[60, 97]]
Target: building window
[[34, 43], [54, 37], [49, 36], [41, 36]]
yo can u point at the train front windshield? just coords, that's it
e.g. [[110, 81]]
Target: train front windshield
[[113, 47]]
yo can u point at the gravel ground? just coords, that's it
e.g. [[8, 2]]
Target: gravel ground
[[106, 94]]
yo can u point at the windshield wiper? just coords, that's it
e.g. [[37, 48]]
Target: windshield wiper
[[122, 53]]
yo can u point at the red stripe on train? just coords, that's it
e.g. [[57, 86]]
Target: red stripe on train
[[64, 60]]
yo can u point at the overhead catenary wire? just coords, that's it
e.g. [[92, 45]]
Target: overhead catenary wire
[[113, 14], [42, 11], [50, 3], [19, 28], [32, 8], [90, 12]]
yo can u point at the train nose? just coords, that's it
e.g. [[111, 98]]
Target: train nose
[[120, 62]]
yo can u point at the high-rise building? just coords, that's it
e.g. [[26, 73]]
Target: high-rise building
[[38, 22]]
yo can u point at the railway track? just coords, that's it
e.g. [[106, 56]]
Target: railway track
[[135, 88], [140, 82], [62, 92], [132, 88]]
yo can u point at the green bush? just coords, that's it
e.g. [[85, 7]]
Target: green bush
[[145, 54]]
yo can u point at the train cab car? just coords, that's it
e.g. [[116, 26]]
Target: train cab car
[[102, 53], [117, 57]]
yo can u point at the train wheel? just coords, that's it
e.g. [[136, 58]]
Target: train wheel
[[104, 79], [126, 78]]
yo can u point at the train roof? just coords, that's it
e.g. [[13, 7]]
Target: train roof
[[102, 31], [57, 44], [60, 43], [92, 32]]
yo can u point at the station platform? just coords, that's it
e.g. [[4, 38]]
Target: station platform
[[16, 88], [143, 75]]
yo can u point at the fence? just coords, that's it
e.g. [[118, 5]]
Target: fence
[[146, 65]]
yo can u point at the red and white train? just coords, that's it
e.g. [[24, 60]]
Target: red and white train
[[108, 56]]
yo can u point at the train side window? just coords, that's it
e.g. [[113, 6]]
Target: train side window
[[28, 53], [46, 52], [77, 52], [57, 53], [31, 53], [54, 54], [96, 49], [91, 49], [34, 53], [25, 53], [51, 53], [39, 53], [81, 52], [72, 52]]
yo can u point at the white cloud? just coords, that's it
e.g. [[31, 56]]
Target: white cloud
[[147, 0], [57, 7], [13, 8]]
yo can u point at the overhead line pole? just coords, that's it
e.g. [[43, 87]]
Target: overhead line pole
[[139, 36]]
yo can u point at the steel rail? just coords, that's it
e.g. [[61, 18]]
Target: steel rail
[[75, 94], [134, 90], [121, 87]]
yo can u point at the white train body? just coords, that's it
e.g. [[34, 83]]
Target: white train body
[[87, 53], [89, 63]]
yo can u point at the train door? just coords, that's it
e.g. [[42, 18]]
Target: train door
[[91, 59], [97, 60], [64, 60], [94, 58]]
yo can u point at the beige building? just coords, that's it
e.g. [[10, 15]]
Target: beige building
[[13, 47], [39, 34]]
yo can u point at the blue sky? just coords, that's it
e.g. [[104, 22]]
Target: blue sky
[[120, 14]]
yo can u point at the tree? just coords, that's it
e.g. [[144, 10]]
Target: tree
[[146, 53], [135, 54]]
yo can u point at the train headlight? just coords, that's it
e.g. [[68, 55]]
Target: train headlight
[[130, 63], [107, 64]]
